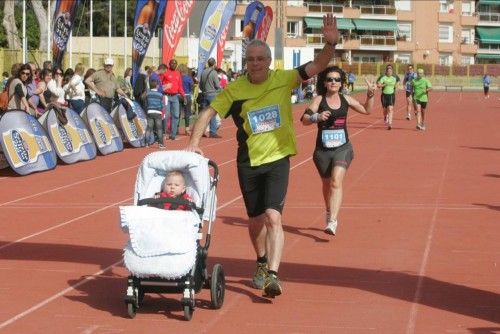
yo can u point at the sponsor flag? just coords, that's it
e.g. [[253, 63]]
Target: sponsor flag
[[265, 25], [220, 45], [253, 17], [64, 16], [147, 15], [174, 22], [216, 17]]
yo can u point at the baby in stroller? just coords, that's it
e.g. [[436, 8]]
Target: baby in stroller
[[164, 253], [174, 186]]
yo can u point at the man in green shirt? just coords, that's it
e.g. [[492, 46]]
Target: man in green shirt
[[261, 108], [388, 98], [421, 88]]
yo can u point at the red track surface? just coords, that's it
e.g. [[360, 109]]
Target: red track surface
[[417, 249]]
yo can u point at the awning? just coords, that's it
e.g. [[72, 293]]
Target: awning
[[487, 56], [489, 2], [375, 25], [489, 35], [317, 23]]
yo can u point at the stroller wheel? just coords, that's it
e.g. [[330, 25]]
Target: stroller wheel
[[188, 312], [131, 309], [217, 286]]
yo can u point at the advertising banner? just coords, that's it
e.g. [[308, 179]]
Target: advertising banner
[[64, 17], [132, 130], [25, 143], [99, 122], [265, 24], [72, 141], [215, 19], [174, 22], [220, 45], [253, 17], [147, 15]]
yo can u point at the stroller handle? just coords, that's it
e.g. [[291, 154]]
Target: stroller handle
[[212, 164]]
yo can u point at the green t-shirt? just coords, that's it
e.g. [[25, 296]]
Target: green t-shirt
[[263, 115], [420, 86], [390, 84]]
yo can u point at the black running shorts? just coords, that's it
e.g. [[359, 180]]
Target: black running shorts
[[325, 160], [264, 187], [388, 100], [423, 105]]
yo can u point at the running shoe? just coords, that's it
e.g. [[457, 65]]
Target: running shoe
[[331, 227], [389, 127], [272, 286], [408, 116], [260, 276], [161, 146]]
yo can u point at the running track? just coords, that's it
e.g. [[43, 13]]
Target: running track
[[417, 249]]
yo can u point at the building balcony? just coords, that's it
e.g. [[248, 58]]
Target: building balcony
[[377, 10], [377, 41], [492, 19], [352, 13], [468, 48], [469, 20], [446, 47], [446, 17], [295, 11], [320, 8], [293, 40], [488, 48]]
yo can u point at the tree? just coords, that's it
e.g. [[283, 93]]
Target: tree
[[41, 16], [9, 24]]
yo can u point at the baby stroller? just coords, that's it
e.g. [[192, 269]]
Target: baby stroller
[[164, 253]]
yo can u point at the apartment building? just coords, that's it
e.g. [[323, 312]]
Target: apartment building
[[446, 32]]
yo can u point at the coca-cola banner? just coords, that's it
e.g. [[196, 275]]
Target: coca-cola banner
[[253, 18], [174, 22], [220, 45], [64, 16], [265, 24], [147, 15], [215, 19]]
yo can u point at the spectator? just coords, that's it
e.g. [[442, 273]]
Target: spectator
[[103, 83], [17, 89], [187, 85], [210, 87], [172, 87], [75, 89], [55, 86]]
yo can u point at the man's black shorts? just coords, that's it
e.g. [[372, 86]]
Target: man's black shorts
[[264, 187]]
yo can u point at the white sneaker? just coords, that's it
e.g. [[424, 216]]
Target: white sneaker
[[327, 217], [331, 227]]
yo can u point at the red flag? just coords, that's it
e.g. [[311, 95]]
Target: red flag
[[176, 14], [220, 45], [265, 25]]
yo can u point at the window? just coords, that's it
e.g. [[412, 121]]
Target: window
[[292, 28], [238, 27], [467, 36], [446, 6], [445, 59], [404, 32], [295, 3], [446, 33], [467, 8], [403, 5], [403, 58], [467, 60]]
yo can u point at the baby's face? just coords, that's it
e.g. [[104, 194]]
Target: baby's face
[[174, 185]]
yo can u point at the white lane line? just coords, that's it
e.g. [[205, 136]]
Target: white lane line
[[63, 224], [67, 186], [417, 298]]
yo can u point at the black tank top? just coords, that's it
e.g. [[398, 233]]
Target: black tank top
[[335, 127]]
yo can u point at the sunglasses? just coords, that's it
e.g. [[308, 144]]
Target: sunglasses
[[26, 73], [330, 79]]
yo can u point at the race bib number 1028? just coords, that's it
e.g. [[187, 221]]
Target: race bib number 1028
[[265, 119]]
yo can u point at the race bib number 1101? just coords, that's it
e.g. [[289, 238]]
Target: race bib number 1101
[[265, 119]]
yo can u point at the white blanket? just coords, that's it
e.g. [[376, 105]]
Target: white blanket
[[161, 242]]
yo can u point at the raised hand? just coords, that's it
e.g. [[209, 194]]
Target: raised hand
[[330, 31], [371, 85]]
